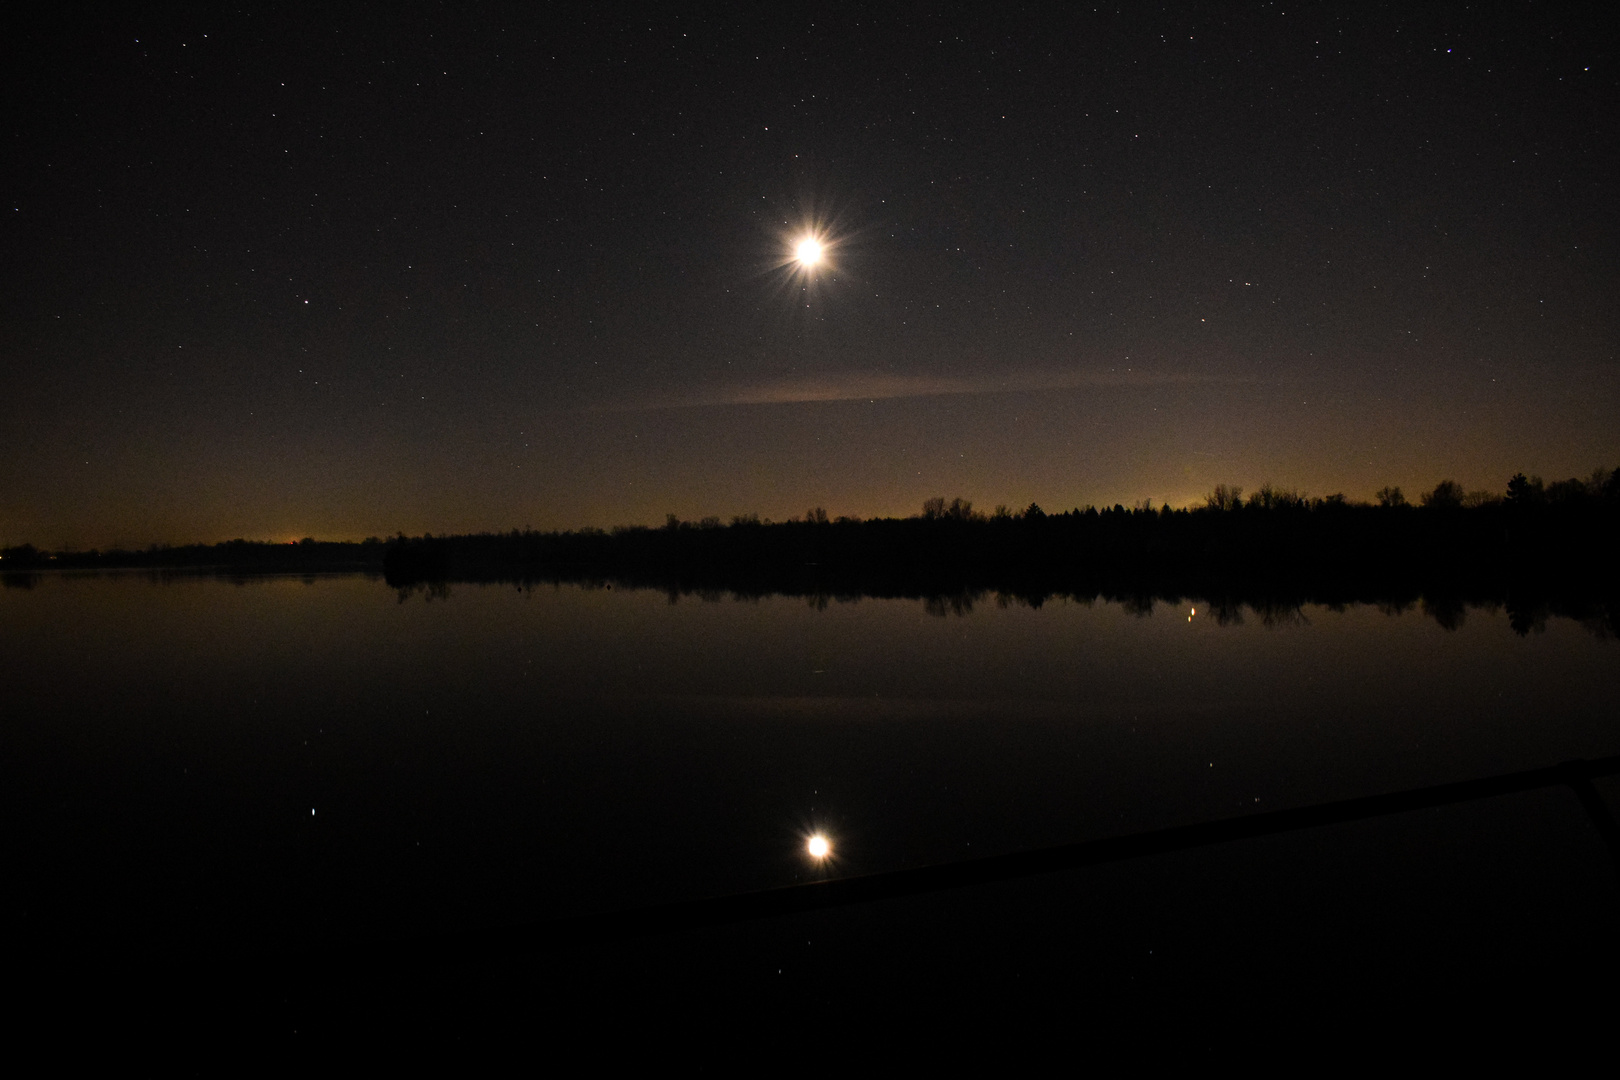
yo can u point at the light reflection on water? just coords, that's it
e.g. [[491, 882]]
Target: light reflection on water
[[480, 753]]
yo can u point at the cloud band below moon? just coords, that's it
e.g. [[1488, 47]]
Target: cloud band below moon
[[874, 386]]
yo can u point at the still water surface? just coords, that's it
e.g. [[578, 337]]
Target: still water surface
[[196, 759]]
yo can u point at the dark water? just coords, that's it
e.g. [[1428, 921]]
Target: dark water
[[202, 764]]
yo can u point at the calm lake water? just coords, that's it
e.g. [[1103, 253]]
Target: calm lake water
[[198, 760]]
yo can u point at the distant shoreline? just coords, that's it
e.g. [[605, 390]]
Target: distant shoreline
[[1538, 548], [1536, 554], [312, 556]]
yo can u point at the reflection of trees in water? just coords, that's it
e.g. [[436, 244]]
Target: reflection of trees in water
[[428, 590], [1448, 611], [1276, 614], [1605, 629], [1032, 600], [1528, 620], [1529, 615], [1527, 612], [956, 604], [1273, 612], [1138, 604]]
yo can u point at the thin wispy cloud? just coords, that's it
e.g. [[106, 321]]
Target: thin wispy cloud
[[873, 386]]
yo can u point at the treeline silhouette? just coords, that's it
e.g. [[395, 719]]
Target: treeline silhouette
[[1538, 549], [246, 556]]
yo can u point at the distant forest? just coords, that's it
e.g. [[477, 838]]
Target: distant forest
[[248, 556], [1537, 548]]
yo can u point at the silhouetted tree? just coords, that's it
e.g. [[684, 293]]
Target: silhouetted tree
[[1611, 487], [1391, 497], [1522, 493], [1275, 498], [1447, 495], [1569, 492]]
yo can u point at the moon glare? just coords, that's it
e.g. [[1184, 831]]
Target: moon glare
[[808, 251]]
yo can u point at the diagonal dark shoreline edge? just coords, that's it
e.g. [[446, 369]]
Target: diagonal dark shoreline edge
[[838, 892]]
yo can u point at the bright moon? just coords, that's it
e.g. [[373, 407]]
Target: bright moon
[[819, 848], [808, 252]]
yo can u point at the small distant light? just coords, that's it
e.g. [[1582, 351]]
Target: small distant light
[[818, 847]]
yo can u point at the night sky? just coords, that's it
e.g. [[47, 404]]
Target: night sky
[[273, 273]]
